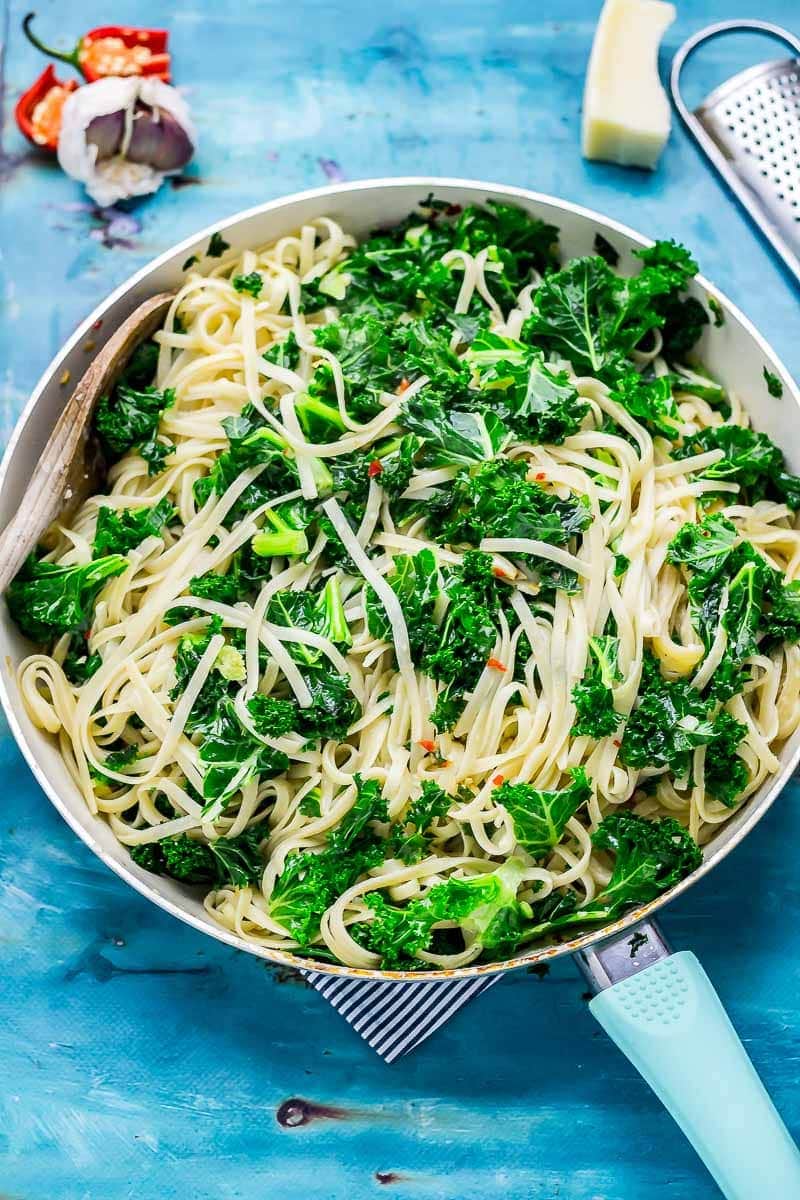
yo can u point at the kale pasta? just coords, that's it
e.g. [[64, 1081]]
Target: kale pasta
[[439, 602]]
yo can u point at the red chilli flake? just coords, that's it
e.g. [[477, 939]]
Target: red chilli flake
[[402, 386], [617, 742], [540, 476], [499, 573], [495, 664], [497, 780], [374, 468], [428, 745]]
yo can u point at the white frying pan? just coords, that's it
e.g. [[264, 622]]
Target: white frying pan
[[658, 1006]]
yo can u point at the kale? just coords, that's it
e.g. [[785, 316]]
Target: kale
[[407, 837], [79, 665], [415, 581], [285, 353], [222, 862], [319, 612], [217, 246], [669, 722], [467, 635], [421, 349], [362, 346], [682, 319], [252, 443], [226, 589], [455, 651], [272, 716], [496, 500], [191, 649], [725, 771], [705, 547], [649, 858], [231, 756], [129, 420], [539, 404], [310, 880], [141, 367], [540, 817], [452, 435], [672, 719], [593, 697], [485, 907], [397, 465], [46, 600], [283, 531], [594, 318], [250, 284], [750, 459], [400, 269], [759, 602], [717, 312], [333, 707], [650, 402], [774, 385], [121, 530]]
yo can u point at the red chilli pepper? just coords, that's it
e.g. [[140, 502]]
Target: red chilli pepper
[[38, 111], [428, 745], [497, 780], [495, 664], [375, 468], [112, 50]]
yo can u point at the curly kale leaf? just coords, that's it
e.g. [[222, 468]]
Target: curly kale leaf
[[540, 817], [129, 420], [231, 756], [539, 404], [237, 861], [319, 612], [311, 880], [750, 459], [593, 697], [123, 529], [46, 600], [497, 500], [407, 837], [594, 318]]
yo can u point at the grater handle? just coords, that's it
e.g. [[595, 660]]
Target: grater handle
[[668, 1020], [707, 144]]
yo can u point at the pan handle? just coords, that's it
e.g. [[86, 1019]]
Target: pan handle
[[666, 1017]]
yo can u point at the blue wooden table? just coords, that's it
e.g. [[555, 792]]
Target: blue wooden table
[[138, 1058]]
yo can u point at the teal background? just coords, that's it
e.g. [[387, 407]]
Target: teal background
[[138, 1058]]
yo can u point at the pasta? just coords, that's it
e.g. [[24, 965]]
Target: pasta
[[427, 600]]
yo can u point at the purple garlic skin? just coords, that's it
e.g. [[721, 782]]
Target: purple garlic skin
[[106, 133], [158, 140]]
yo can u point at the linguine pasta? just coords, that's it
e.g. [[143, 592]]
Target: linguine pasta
[[586, 614]]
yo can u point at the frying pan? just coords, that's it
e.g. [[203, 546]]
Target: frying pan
[[658, 1006]]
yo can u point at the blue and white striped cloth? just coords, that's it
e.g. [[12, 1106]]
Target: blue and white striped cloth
[[395, 1018]]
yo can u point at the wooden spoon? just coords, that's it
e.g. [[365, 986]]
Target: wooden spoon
[[70, 467]]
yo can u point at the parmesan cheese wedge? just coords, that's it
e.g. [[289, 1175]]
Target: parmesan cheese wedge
[[626, 114]]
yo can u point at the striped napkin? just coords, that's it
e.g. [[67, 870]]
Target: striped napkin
[[395, 1018]]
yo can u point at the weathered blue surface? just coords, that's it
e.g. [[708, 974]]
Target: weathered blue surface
[[138, 1058]]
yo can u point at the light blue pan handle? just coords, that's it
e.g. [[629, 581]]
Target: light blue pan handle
[[668, 1020]]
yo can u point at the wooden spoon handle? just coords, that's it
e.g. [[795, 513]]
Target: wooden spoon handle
[[64, 474]]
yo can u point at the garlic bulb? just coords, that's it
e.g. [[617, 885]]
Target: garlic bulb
[[122, 137]]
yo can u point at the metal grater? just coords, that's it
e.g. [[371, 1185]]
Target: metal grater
[[749, 128]]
